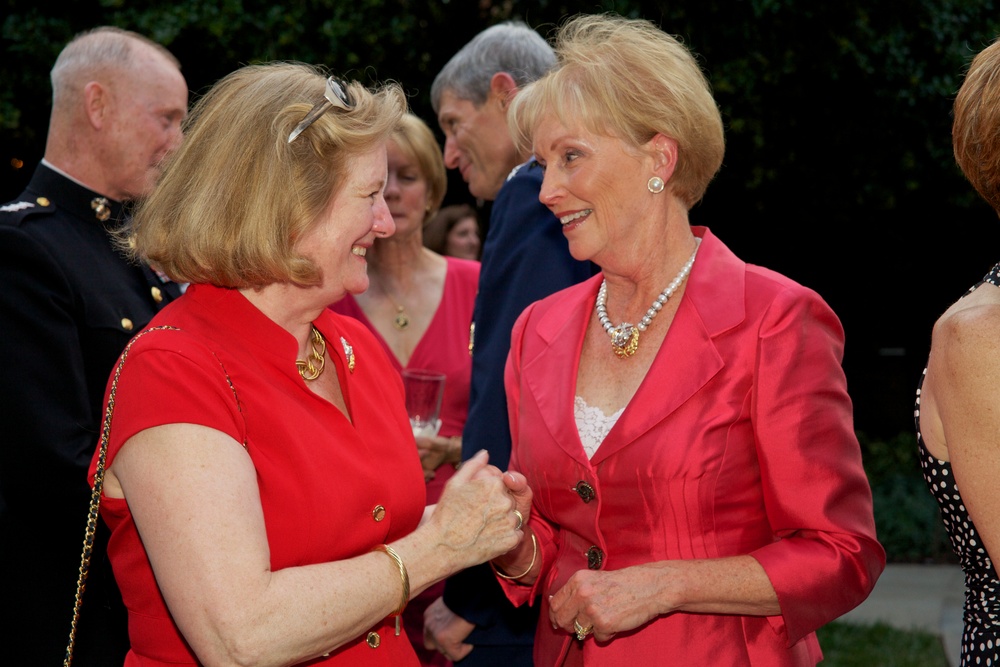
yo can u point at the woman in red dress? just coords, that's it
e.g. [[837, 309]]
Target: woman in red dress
[[265, 500]]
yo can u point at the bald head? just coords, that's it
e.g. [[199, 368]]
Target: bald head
[[118, 102]]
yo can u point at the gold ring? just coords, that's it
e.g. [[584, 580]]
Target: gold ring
[[582, 632], [520, 520]]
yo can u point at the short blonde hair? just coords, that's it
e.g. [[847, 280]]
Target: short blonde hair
[[416, 139], [627, 78], [236, 196], [975, 131]]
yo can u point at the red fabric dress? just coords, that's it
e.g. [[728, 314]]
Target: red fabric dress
[[444, 347], [321, 477]]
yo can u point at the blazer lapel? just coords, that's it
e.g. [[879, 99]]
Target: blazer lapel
[[550, 376], [688, 358]]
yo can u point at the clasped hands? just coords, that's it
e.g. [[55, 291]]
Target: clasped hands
[[481, 512], [444, 630], [597, 603]]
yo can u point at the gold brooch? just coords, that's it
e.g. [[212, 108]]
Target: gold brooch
[[349, 353]]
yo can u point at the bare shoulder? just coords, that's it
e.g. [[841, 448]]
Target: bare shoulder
[[970, 327], [964, 362]]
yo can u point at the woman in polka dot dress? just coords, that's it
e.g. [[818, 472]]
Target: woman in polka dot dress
[[957, 417]]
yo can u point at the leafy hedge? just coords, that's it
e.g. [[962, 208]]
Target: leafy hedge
[[906, 515]]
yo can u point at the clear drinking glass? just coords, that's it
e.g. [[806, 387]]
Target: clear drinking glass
[[424, 391]]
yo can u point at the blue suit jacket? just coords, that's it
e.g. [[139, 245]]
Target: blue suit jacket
[[525, 258]]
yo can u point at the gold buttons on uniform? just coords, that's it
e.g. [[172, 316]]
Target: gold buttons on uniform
[[378, 513], [42, 201], [595, 558], [373, 639], [127, 324], [157, 294], [585, 491], [102, 208]]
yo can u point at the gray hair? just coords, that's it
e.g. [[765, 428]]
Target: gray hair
[[95, 50], [510, 47]]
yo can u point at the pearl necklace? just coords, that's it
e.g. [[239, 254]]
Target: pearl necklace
[[625, 336], [307, 369]]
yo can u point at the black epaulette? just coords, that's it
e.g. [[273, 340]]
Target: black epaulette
[[16, 211]]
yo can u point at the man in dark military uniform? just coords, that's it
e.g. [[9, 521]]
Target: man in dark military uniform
[[69, 303]]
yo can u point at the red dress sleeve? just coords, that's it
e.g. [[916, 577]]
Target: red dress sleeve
[[170, 378]]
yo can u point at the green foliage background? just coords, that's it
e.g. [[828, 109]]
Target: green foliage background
[[838, 170], [907, 519]]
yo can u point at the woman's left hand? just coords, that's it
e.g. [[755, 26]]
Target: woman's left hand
[[436, 451], [606, 603]]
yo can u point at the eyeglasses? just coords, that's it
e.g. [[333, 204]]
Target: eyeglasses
[[336, 95]]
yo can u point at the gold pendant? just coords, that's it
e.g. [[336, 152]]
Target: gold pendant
[[401, 321], [624, 340]]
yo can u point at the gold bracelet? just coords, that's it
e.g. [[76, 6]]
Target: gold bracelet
[[404, 577], [534, 555]]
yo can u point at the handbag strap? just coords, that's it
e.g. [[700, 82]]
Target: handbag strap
[[95, 496]]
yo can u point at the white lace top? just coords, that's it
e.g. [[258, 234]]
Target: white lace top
[[593, 425]]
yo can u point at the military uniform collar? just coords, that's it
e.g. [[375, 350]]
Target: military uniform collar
[[59, 189]]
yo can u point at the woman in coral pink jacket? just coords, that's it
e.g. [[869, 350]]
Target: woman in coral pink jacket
[[695, 493]]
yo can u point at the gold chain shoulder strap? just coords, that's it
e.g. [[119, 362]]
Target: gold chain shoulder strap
[[95, 496]]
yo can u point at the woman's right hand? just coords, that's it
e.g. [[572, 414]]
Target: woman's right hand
[[475, 519]]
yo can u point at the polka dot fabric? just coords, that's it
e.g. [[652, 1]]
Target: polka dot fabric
[[981, 637]]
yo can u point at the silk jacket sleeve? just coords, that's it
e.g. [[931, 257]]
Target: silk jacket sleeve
[[825, 559]]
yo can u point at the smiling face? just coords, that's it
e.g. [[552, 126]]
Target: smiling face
[[341, 237], [596, 186], [477, 143], [406, 191], [463, 239]]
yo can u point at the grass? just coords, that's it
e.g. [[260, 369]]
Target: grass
[[879, 645]]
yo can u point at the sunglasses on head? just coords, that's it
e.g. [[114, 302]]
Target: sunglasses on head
[[336, 95]]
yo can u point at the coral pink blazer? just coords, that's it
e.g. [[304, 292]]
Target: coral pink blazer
[[740, 440]]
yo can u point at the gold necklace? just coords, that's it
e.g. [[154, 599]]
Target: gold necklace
[[401, 320], [307, 369]]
